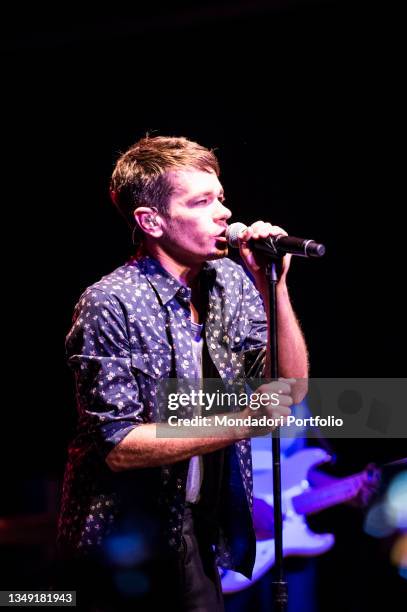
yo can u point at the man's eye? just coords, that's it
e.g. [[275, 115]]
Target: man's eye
[[205, 201]]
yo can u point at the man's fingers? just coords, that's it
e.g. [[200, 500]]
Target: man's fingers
[[246, 235], [285, 400], [280, 386], [281, 411], [260, 229]]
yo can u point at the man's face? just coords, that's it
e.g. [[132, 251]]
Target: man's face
[[194, 229]]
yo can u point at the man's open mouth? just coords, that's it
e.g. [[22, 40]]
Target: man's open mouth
[[221, 237]]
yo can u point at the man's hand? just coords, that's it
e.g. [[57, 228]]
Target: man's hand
[[255, 261], [281, 388], [265, 399]]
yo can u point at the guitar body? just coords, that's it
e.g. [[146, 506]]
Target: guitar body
[[298, 539]]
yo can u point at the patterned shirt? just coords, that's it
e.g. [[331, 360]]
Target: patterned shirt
[[131, 329]]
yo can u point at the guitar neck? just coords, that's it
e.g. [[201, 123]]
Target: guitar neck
[[329, 495]]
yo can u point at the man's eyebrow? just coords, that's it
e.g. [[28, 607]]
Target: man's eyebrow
[[207, 193]]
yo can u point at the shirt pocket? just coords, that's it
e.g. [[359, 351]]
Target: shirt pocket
[[152, 369], [154, 362]]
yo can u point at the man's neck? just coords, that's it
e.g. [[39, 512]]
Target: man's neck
[[185, 274]]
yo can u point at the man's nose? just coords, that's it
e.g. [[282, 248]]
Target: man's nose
[[224, 212]]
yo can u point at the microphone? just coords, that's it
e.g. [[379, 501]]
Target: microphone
[[276, 246]]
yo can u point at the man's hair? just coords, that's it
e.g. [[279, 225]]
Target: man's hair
[[140, 177]]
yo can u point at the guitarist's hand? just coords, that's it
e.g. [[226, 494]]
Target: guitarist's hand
[[366, 490], [369, 488]]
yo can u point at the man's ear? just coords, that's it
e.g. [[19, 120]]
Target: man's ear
[[113, 196], [149, 221]]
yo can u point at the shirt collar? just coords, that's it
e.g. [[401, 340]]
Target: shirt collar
[[166, 286]]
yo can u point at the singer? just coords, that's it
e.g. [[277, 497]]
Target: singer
[[145, 519]]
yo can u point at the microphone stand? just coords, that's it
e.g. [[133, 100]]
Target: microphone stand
[[280, 587]]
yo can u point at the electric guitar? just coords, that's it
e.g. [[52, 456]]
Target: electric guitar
[[298, 500]]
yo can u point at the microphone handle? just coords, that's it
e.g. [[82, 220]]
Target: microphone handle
[[277, 246]]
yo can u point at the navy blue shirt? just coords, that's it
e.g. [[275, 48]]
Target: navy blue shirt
[[130, 330]]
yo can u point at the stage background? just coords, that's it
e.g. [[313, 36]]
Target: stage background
[[301, 101]]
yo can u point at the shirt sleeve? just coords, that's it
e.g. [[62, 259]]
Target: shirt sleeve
[[98, 352]]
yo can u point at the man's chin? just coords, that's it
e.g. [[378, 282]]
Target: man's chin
[[219, 253]]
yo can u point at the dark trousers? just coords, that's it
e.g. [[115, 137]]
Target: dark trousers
[[201, 587], [187, 581]]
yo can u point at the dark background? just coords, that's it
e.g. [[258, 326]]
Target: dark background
[[301, 101]]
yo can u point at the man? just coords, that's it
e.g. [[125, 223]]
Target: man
[[146, 513]]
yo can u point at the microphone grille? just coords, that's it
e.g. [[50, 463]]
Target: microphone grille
[[232, 233]]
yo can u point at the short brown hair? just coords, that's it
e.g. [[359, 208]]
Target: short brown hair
[[140, 175]]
